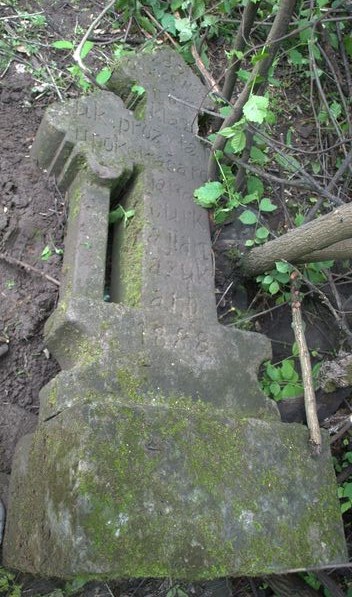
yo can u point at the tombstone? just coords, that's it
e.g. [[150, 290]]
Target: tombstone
[[156, 454]]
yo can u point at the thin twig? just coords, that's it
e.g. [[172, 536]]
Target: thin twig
[[345, 61], [28, 268], [224, 294], [335, 179], [299, 183], [318, 188], [306, 368], [78, 50], [207, 76], [161, 29], [342, 431], [327, 303]]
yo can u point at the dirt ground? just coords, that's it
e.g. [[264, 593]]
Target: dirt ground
[[32, 223]]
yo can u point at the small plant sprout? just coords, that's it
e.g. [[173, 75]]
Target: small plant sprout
[[49, 251], [121, 214]]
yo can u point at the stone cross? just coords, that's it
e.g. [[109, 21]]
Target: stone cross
[[156, 453]]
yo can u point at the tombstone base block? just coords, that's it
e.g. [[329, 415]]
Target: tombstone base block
[[113, 490]]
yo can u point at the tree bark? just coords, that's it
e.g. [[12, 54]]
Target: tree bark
[[301, 242], [240, 43], [258, 78]]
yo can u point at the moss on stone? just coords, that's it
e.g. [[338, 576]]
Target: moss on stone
[[129, 250]]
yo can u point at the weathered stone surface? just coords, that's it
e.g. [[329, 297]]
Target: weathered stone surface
[[156, 453]]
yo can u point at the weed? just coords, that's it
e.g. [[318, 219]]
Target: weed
[[121, 214], [8, 584], [49, 251], [282, 380]]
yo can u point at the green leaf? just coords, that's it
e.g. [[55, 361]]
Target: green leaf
[[258, 156], [138, 90], [273, 372], [209, 193], [104, 75], [248, 218], [259, 57], [274, 287], [347, 490], [288, 162], [249, 243], [291, 390], [266, 205], [295, 57], [255, 185], [262, 233], [347, 42], [87, 46], [63, 44], [168, 23], [238, 141], [299, 220], [185, 28], [225, 111], [295, 349], [198, 8], [267, 279], [116, 215], [46, 253], [336, 109], [255, 109], [345, 506], [270, 117], [249, 198], [275, 388], [282, 267], [287, 370], [282, 278]]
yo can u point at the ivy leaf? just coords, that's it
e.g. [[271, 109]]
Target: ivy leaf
[[238, 141], [63, 44], [255, 109], [266, 205], [104, 75], [248, 218], [208, 194]]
